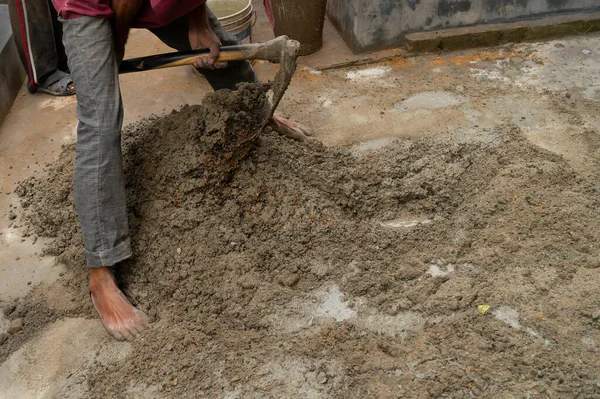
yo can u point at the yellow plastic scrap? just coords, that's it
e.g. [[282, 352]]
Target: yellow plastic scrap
[[483, 309]]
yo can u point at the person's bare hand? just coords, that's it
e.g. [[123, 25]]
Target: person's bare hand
[[201, 35], [208, 39]]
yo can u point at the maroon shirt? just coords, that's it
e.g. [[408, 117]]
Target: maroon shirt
[[154, 13]]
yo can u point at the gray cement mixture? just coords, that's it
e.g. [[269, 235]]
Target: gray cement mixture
[[278, 269]]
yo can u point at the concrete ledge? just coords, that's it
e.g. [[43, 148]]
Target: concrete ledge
[[494, 34], [11, 70]]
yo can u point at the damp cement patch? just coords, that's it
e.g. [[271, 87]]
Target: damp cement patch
[[430, 100], [437, 271], [44, 367], [511, 318], [370, 146], [335, 306], [369, 73], [405, 223], [400, 325]]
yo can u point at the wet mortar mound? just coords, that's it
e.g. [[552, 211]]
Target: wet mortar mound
[[278, 269]]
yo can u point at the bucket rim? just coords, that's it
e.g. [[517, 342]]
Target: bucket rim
[[240, 27], [237, 22], [234, 16], [242, 33]]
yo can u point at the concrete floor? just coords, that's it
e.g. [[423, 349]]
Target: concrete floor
[[535, 86]]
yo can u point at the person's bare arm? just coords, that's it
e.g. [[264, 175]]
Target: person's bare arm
[[201, 35], [125, 12]]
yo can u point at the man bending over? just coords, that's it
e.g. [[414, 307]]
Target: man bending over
[[94, 35]]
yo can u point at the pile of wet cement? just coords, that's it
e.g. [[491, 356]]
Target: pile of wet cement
[[234, 236]]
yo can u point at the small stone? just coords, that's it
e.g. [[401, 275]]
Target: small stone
[[592, 264], [29, 283], [322, 378], [247, 284], [568, 95], [574, 236], [19, 312], [291, 280], [179, 250], [596, 315], [517, 60], [15, 326], [12, 216], [9, 309], [526, 273]]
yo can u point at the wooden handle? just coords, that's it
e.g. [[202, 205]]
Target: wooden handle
[[228, 53], [223, 56], [271, 51]]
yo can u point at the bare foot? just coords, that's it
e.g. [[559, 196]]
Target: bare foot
[[120, 318], [291, 129]]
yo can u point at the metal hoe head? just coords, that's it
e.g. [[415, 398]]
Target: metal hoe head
[[288, 62], [280, 50]]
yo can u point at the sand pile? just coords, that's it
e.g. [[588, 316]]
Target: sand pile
[[279, 269]]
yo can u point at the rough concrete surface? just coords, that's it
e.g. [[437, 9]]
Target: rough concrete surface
[[349, 269]]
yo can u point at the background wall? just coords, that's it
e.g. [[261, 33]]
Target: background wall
[[11, 70], [376, 24]]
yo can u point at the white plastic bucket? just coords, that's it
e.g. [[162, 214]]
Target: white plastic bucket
[[235, 16]]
